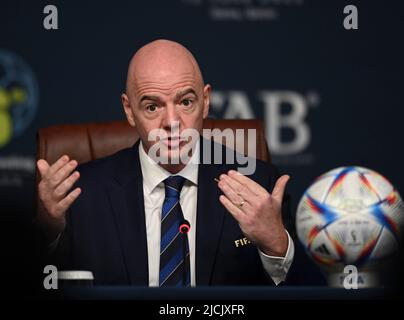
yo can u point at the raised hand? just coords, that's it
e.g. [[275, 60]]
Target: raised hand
[[53, 191], [258, 212]]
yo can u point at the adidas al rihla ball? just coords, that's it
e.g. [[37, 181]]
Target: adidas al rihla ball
[[350, 216]]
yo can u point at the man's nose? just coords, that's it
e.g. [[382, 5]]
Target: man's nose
[[171, 117]]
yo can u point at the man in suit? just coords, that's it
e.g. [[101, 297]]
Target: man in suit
[[121, 220]]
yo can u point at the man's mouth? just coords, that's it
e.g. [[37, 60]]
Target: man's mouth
[[174, 142]]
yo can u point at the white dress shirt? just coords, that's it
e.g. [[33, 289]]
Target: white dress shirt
[[154, 194]]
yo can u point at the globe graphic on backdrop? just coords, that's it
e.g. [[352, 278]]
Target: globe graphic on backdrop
[[19, 96]]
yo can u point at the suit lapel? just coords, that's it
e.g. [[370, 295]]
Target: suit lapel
[[209, 220], [127, 202]]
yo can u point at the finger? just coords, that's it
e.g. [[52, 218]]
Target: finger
[[249, 183], [229, 192], [234, 210], [279, 189], [58, 164], [63, 172], [240, 189], [66, 202], [67, 184], [234, 197], [42, 166]]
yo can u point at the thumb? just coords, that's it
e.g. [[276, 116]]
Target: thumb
[[43, 166], [280, 187]]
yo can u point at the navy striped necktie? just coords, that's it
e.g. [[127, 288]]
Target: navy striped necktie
[[172, 262]]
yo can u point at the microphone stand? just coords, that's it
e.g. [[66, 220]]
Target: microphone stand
[[184, 229], [184, 253]]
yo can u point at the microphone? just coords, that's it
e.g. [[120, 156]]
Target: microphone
[[184, 228]]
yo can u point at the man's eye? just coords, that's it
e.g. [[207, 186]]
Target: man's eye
[[187, 102], [151, 108]]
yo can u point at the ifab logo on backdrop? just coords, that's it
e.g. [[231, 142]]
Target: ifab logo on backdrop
[[19, 96], [284, 111]]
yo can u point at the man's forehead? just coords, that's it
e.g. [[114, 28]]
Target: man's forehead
[[164, 74], [163, 90], [166, 81]]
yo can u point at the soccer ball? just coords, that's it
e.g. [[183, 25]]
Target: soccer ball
[[350, 216]]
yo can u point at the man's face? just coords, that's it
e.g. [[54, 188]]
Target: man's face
[[171, 98]]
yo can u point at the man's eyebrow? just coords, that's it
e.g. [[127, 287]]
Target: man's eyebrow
[[153, 98], [184, 92], [177, 96]]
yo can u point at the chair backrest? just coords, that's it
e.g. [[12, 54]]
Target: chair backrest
[[90, 141]]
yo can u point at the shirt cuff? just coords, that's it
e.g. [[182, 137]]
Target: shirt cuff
[[278, 267]]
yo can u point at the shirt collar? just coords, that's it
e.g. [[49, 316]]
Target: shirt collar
[[154, 174]]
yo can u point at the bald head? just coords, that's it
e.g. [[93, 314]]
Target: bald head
[[159, 62]]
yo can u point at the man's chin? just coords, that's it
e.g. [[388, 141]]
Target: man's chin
[[171, 154]]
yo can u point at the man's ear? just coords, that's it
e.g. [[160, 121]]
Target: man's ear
[[128, 109], [206, 100]]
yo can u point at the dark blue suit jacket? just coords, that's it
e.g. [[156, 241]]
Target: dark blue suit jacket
[[106, 231]]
